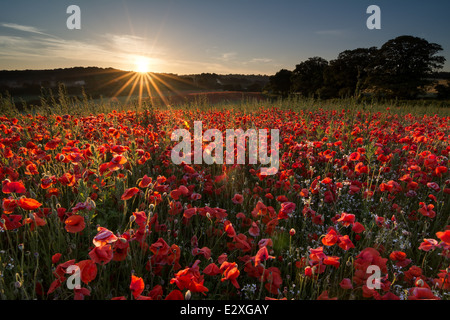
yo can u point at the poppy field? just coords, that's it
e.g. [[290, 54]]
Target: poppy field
[[98, 194]]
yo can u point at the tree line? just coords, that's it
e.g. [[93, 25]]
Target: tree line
[[400, 68]]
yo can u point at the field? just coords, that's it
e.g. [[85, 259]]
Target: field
[[90, 187]]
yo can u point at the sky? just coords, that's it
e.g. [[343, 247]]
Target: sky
[[195, 36]]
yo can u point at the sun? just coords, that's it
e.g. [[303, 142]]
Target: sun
[[142, 64]]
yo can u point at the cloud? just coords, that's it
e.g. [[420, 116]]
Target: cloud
[[35, 49], [227, 56], [41, 49], [19, 27], [261, 60]]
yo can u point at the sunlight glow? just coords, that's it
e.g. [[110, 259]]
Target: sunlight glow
[[142, 64]]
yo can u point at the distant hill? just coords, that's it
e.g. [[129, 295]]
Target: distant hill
[[109, 82]]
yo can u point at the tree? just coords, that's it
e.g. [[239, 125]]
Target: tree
[[402, 65], [307, 78], [347, 75], [280, 83], [443, 91]]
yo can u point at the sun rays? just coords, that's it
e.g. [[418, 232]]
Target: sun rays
[[144, 85]]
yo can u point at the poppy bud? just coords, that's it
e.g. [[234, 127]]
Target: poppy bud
[[292, 232], [91, 203], [187, 296], [132, 218]]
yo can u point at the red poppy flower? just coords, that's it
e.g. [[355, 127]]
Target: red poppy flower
[[444, 236], [428, 244], [317, 254], [346, 219], [418, 293], [145, 182], [358, 227], [230, 272], [117, 162], [345, 243], [35, 221], [9, 205], [211, 270], [101, 255], [81, 293], [67, 179], [332, 261], [286, 209], [237, 199], [75, 223], [330, 238], [304, 193], [56, 257], [175, 295], [400, 258], [11, 221], [272, 277], [88, 270], [205, 252], [160, 247], [28, 203], [140, 218], [229, 229], [129, 193], [136, 286], [13, 187], [188, 213], [254, 230], [427, 210], [262, 255], [355, 156], [156, 293], [346, 284]]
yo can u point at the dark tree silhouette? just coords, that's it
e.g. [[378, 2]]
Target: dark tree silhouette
[[443, 91], [346, 76], [280, 83], [402, 66], [307, 77]]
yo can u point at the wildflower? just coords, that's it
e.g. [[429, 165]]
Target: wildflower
[[230, 272], [346, 284], [13, 187], [136, 286], [346, 219], [75, 223], [237, 199], [101, 255], [330, 238], [262, 255], [444, 236], [129, 193], [28, 204]]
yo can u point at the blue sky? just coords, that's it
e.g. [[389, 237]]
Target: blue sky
[[193, 36]]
